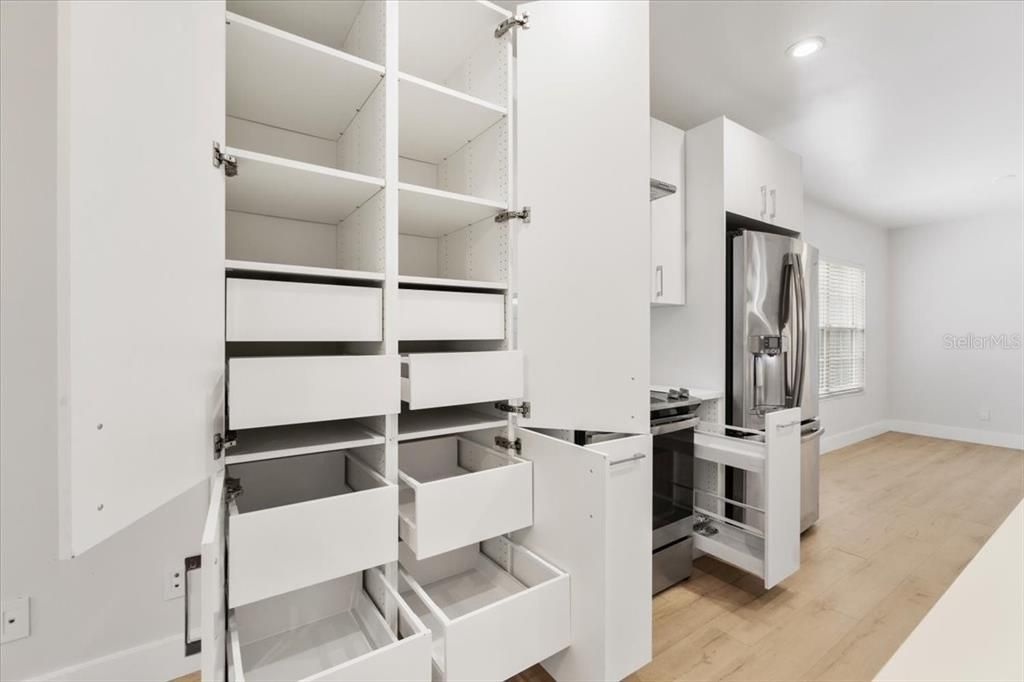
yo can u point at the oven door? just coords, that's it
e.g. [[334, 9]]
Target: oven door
[[672, 479]]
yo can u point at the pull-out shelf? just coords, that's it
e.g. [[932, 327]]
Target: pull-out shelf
[[761, 534], [341, 635], [494, 609], [272, 391], [455, 492], [267, 310], [440, 379], [303, 520], [435, 315]]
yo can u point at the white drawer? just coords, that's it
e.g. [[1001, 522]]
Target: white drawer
[[271, 391], [455, 492], [265, 310], [303, 520], [440, 379], [494, 609], [334, 631], [431, 315]]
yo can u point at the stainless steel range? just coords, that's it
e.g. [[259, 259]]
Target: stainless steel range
[[672, 422]]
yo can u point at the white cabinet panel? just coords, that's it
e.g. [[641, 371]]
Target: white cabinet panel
[[213, 620], [140, 234], [763, 181], [432, 315], [264, 310], [456, 492], [272, 391], [583, 259], [668, 244], [439, 379]]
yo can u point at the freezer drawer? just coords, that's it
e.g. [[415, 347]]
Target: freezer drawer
[[494, 609], [265, 310], [759, 535], [334, 631], [455, 492], [434, 315], [272, 391], [440, 379], [303, 520]]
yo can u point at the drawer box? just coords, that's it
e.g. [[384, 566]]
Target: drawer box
[[334, 631], [432, 315], [494, 609], [303, 520], [265, 310], [455, 492], [440, 379], [272, 391]]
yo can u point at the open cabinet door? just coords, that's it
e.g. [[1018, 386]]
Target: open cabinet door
[[213, 619], [583, 168], [140, 258]]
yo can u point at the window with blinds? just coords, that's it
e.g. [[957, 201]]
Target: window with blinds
[[841, 350]]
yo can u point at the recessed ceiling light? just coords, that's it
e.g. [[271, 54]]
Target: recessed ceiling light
[[805, 47]]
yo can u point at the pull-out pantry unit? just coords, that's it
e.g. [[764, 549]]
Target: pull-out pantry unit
[[352, 264]]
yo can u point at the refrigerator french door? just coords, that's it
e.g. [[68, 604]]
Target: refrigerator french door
[[772, 295]]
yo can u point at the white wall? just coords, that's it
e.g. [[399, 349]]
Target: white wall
[[110, 598], [962, 277], [842, 238]]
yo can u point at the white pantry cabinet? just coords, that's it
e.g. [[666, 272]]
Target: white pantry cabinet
[[763, 180], [668, 216], [338, 216]]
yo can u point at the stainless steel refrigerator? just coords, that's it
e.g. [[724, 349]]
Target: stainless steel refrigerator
[[772, 362]]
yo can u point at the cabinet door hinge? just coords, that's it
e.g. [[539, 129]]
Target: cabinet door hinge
[[506, 216], [516, 21], [229, 162], [232, 488], [523, 409], [503, 442], [222, 443]]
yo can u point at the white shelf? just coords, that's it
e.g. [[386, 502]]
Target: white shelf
[[445, 421], [293, 83], [447, 34], [272, 186], [446, 283], [428, 212], [300, 439], [327, 23], [733, 546], [435, 121], [299, 271]]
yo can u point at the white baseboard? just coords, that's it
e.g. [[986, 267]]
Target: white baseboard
[[162, 659], [841, 440], [997, 438]]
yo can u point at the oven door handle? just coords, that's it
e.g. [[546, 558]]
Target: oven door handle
[[672, 427]]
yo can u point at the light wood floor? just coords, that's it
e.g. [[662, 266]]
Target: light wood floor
[[901, 516]]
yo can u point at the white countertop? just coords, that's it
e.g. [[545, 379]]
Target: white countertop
[[976, 629]]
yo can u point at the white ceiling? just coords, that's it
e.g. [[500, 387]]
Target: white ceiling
[[905, 118]]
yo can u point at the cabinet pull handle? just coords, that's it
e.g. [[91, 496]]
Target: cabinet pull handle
[[772, 214], [764, 200], [627, 460], [660, 273]]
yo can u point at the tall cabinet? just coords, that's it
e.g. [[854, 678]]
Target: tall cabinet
[[330, 260]]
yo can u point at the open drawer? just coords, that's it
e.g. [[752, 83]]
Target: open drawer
[[272, 391], [494, 609], [440, 379], [759, 533], [437, 315], [455, 492], [332, 631], [302, 520], [267, 310]]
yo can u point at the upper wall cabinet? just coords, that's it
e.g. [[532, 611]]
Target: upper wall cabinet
[[763, 181], [668, 226]]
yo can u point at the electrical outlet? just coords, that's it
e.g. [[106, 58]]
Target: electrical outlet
[[985, 414], [15, 623], [174, 582]]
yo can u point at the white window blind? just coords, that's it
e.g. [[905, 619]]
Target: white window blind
[[841, 352]]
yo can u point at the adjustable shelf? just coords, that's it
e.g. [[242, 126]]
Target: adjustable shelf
[[418, 282], [289, 82], [327, 23], [434, 121], [428, 212], [272, 186], [446, 421], [286, 272], [253, 445]]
